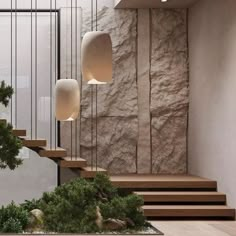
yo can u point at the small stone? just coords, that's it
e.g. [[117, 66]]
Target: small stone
[[35, 221], [114, 224], [99, 220]]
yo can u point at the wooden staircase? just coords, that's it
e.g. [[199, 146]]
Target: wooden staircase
[[56, 154], [165, 196], [177, 196]]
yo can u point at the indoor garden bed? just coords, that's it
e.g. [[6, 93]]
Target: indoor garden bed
[[78, 207]]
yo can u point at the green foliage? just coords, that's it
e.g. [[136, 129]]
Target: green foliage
[[104, 188], [31, 205], [123, 208], [13, 219], [68, 207], [74, 208], [71, 208], [6, 93], [12, 226], [10, 146]]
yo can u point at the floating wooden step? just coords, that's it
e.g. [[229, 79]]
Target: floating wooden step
[[181, 197], [19, 132], [188, 211], [89, 172], [74, 162], [163, 182], [32, 143], [52, 152]]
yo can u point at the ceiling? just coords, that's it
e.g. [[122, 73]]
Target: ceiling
[[153, 3]]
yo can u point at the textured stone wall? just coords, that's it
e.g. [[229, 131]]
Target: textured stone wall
[[117, 101], [118, 130], [169, 90]]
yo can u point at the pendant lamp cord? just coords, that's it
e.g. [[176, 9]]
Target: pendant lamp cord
[[36, 68], [56, 71], [11, 59], [66, 39], [51, 75], [81, 109], [76, 74], [96, 102], [16, 63], [71, 68], [92, 161], [31, 69]]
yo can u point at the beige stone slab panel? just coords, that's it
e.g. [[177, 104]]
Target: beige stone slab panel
[[143, 78]]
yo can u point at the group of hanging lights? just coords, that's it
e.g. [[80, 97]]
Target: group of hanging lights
[[96, 67]]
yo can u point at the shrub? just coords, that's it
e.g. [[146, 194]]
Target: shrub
[[72, 207], [123, 208], [6, 93], [13, 219], [9, 144], [12, 226]]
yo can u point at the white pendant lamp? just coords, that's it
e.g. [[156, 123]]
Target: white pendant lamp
[[96, 57], [67, 92], [67, 97]]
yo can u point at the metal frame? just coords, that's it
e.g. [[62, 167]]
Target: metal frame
[[58, 59]]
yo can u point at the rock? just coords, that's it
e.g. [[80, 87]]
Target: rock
[[35, 221], [114, 224], [129, 222], [99, 219]]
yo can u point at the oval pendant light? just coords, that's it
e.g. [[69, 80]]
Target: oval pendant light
[[96, 57], [67, 97]]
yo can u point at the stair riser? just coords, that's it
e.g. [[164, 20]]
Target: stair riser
[[19, 132], [189, 213], [89, 175], [66, 164], [52, 154], [170, 186], [185, 199], [33, 144]]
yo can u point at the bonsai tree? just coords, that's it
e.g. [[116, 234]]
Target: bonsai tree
[[10, 145]]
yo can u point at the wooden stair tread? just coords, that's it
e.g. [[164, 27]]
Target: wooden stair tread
[[154, 196], [188, 211], [163, 182], [52, 152], [27, 142], [75, 162], [19, 132], [89, 172]]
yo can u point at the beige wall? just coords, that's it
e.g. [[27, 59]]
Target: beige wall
[[212, 120]]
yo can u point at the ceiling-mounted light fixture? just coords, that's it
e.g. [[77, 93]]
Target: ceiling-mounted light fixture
[[164, 0], [96, 57]]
